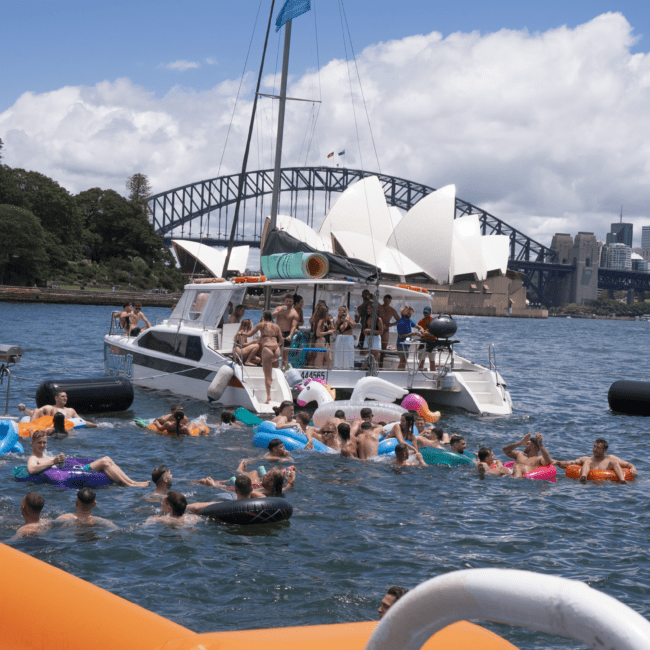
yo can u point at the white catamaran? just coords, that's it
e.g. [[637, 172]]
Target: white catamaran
[[191, 353]]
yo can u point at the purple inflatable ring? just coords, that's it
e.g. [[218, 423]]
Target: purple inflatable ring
[[72, 476]]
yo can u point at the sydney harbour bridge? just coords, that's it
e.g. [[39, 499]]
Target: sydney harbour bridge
[[204, 211]]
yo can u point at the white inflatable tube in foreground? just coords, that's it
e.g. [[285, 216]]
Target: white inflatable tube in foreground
[[538, 602]]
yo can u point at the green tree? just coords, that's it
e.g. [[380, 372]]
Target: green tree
[[23, 254], [2, 144], [139, 188]]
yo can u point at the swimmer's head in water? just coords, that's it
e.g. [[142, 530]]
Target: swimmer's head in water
[[273, 482], [33, 502], [340, 415], [59, 423], [344, 431], [38, 434], [401, 451], [484, 454], [366, 426], [177, 503], [86, 496], [158, 473]]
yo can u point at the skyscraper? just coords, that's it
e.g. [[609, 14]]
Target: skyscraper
[[645, 236], [620, 233]]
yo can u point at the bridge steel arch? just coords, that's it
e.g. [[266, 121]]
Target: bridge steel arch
[[197, 201]]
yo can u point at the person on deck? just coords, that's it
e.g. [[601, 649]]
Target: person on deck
[[600, 460], [389, 317], [428, 339], [528, 459], [367, 297], [125, 318], [135, 318], [405, 327], [344, 343], [270, 342], [287, 319]]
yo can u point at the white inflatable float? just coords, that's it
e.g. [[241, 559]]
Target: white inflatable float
[[380, 393]]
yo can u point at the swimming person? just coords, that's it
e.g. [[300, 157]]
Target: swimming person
[[178, 424], [402, 457], [600, 460], [86, 501], [392, 596], [284, 416], [58, 430], [348, 447], [173, 507], [404, 429], [37, 463], [528, 459], [169, 417], [368, 440], [277, 451], [30, 508], [488, 464], [162, 479]]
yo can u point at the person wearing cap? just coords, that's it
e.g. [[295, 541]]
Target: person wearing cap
[[428, 339]]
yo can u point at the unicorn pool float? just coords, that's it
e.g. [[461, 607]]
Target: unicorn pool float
[[380, 394]]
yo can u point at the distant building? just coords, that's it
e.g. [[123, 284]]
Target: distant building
[[602, 254], [643, 252], [620, 233], [645, 237], [638, 263], [619, 256]]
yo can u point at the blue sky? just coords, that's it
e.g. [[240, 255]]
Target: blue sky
[[47, 45], [545, 125]]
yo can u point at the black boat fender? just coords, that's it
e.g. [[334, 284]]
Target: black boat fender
[[249, 511], [631, 397], [99, 395]]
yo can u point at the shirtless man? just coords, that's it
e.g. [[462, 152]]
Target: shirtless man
[[287, 318], [174, 506], [430, 438], [386, 313], [599, 460], [366, 415], [162, 479], [135, 318], [84, 515], [37, 463], [277, 451], [368, 440], [528, 459], [270, 342], [402, 457], [328, 434], [298, 303], [30, 508], [361, 309], [243, 490], [178, 424], [488, 464], [273, 483], [60, 401], [163, 419], [303, 419], [348, 446]]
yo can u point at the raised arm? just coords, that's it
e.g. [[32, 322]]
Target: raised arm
[[509, 450], [546, 458]]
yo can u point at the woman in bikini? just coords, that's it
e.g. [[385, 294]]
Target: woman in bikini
[[248, 351], [324, 330], [344, 348]]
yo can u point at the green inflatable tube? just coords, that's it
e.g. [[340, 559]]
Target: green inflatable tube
[[435, 456]]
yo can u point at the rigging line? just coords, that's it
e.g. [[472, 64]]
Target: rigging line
[[232, 117], [356, 127], [363, 97]]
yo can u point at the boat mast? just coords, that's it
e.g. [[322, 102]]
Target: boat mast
[[278, 143], [242, 176]]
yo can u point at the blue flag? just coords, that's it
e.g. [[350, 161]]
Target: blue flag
[[290, 10]]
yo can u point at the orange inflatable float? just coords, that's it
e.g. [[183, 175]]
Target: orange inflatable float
[[104, 621], [195, 429], [25, 429], [573, 471]]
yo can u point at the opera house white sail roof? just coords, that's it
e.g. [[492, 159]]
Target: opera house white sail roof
[[195, 257]]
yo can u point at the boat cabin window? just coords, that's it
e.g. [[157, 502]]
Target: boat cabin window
[[179, 345], [199, 302], [204, 308]]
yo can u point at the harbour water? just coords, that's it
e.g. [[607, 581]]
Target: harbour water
[[358, 527]]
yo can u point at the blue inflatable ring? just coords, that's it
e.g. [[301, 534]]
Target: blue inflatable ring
[[262, 438], [9, 437]]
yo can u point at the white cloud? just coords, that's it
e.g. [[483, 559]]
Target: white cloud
[[181, 65], [547, 131], [211, 61]]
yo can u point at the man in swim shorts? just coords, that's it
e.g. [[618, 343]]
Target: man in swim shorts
[[37, 463], [402, 457], [30, 508], [135, 318], [392, 596], [528, 459], [488, 464], [84, 515], [287, 319], [600, 460], [162, 479], [277, 451], [60, 401]]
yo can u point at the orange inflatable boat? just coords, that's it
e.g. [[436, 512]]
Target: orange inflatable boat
[[25, 429], [104, 621], [195, 429], [573, 471]]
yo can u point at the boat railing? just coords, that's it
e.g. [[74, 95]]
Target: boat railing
[[116, 325], [492, 362]]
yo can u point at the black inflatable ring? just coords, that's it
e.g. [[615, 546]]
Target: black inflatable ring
[[249, 511]]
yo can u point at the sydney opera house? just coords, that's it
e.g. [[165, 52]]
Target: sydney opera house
[[426, 246]]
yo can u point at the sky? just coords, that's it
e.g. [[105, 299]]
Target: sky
[[537, 112]]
